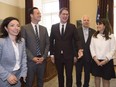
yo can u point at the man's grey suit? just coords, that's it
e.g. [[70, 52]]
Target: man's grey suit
[[30, 39], [8, 61]]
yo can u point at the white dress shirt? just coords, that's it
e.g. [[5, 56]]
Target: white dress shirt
[[37, 28], [102, 48], [61, 27], [16, 50], [86, 33]]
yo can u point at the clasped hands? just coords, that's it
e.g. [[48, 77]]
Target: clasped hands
[[101, 63], [38, 60]]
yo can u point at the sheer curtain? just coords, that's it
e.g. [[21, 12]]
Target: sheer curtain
[[29, 4]]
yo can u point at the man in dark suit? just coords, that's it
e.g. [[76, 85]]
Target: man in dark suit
[[37, 47], [85, 33], [62, 39]]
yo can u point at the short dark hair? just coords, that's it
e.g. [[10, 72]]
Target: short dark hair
[[64, 8], [4, 24], [31, 10]]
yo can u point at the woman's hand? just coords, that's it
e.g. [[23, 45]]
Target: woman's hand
[[105, 61], [96, 60], [12, 79]]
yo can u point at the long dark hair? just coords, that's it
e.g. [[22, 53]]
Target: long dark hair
[[4, 24], [107, 31]]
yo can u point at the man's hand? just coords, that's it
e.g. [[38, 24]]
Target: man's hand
[[36, 59], [80, 53], [41, 59], [52, 59], [75, 60]]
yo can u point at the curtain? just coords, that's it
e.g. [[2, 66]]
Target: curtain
[[106, 10], [28, 4], [111, 12], [65, 3]]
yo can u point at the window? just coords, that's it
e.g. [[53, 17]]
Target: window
[[115, 18], [49, 10]]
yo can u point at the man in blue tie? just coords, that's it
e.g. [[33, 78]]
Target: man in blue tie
[[37, 47]]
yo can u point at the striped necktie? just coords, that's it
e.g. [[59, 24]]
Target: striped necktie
[[37, 42]]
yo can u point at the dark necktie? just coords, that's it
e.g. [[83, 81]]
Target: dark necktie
[[62, 32], [37, 42]]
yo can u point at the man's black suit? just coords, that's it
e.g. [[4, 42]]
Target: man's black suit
[[64, 43], [85, 61]]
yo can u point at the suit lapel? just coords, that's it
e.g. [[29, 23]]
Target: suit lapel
[[19, 48], [10, 46], [66, 29], [40, 32], [32, 30], [58, 30], [30, 27], [82, 35], [89, 35]]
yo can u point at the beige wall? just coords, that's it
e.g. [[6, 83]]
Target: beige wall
[[78, 8], [11, 10], [22, 15], [8, 10]]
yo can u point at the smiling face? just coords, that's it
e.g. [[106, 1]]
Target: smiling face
[[13, 28], [64, 15], [85, 21], [100, 27]]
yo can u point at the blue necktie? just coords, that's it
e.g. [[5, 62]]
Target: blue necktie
[[37, 42]]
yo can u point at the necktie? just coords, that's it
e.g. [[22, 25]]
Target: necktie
[[62, 32], [37, 42]]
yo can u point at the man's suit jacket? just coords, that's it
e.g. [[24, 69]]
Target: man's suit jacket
[[86, 45], [8, 59], [28, 34], [65, 43]]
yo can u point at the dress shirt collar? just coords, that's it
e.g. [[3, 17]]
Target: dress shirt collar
[[64, 26], [34, 26], [85, 29]]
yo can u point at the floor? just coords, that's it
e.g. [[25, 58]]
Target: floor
[[54, 81]]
